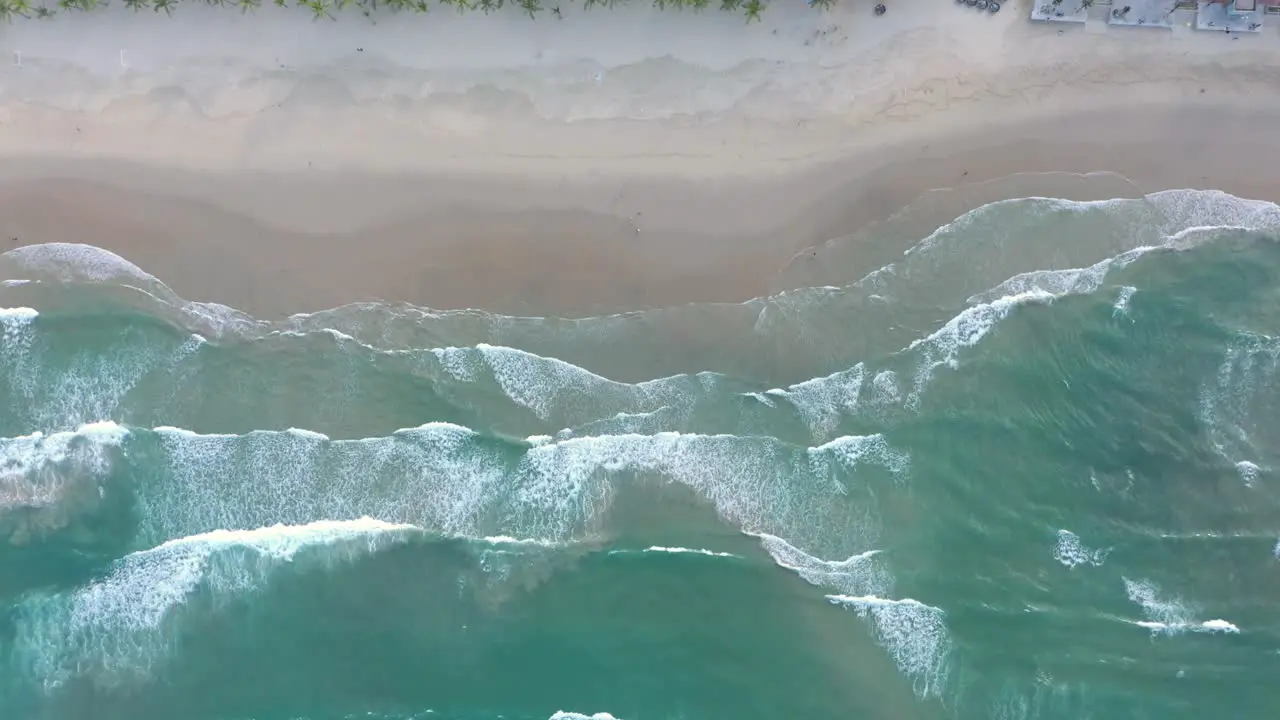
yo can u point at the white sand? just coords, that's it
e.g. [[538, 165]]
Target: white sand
[[640, 157]]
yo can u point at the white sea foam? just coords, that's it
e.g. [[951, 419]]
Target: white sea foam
[[687, 551], [1163, 612], [662, 550], [72, 262], [1236, 406], [223, 490], [850, 450], [16, 317], [554, 390], [884, 389], [563, 715], [1071, 552], [1169, 616], [861, 574], [1209, 626], [441, 477], [213, 319], [1121, 306], [915, 634], [500, 540], [115, 628], [963, 331], [15, 341], [824, 401], [55, 393], [1219, 626], [1248, 472], [756, 483], [1072, 281], [58, 476], [1196, 209], [472, 490], [308, 434]]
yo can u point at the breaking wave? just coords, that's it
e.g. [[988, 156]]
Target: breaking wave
[[905, 445]]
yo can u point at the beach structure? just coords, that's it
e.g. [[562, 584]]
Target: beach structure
[[1242, 16], [1143, 13], [1065, 11]]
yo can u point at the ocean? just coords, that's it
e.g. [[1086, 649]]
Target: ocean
[[1026, 469]]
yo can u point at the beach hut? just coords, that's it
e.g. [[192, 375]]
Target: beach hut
[[1236, 9]]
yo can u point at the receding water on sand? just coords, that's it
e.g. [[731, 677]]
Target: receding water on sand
[[1023, 469]]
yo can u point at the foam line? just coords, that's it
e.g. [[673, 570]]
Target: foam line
[[1072, 552]]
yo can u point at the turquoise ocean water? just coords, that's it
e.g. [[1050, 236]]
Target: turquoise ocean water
[[1025, 470]]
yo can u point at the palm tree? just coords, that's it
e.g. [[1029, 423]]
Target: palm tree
[[319, 9], [9, 8], [753, 8]]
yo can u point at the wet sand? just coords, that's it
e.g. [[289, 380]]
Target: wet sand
[[297, 188], [540, 248]]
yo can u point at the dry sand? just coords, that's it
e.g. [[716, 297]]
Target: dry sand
[[614, 160]]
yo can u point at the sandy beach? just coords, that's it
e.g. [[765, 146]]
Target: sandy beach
[[581, 166]]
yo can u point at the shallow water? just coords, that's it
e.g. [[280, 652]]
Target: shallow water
[[1026, 470]]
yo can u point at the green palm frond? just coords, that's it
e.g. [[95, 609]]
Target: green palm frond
[[21, 8], [81, 5], [319, 9]]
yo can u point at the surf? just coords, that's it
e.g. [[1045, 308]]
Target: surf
[[185, 467]]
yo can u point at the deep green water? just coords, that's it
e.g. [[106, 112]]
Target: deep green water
[[1025, 471]]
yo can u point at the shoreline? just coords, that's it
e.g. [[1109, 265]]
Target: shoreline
[[292, 191], [277, 243]]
